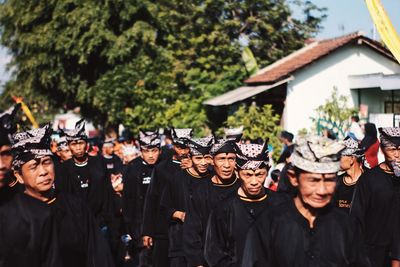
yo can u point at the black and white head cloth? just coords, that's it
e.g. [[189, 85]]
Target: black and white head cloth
[[149, 139], [200, 146], [7, 125], [33, 144], [224, 146], [109, 142], [78, 133], [317, 154], [234, 133], [390, 136], [352, 148], [62, 143], [252, 156], [180, 136]]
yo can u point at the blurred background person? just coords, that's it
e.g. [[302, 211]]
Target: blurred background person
[[286, 139], [370, 143]]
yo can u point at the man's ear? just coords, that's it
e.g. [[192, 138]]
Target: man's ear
[[353, 159], [18, 175], [292, 178]]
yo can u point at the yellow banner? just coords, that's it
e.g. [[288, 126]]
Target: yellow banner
[[27, 111], [384, 26]]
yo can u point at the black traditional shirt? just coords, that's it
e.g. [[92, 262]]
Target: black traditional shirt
[[10, 190], [228, 225], [61, 232], [376, 206], [344, 193], [282, 237], [136, 179], [175, 197], [90, 182], [208, 196], [154, 224], [113, 164]]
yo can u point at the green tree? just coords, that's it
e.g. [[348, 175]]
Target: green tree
[[257, 122], [142, 63], [334, 115]]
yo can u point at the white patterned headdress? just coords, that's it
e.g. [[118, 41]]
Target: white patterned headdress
[[252, 156], [389, 136], [224, 146], [30, 145], [200, 146], [149, 139], [180, 136], [352, 148], [317, 154], [78, 133]]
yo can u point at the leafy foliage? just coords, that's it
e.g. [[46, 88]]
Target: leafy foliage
[[142, 63], [258, 122], [334, 115]]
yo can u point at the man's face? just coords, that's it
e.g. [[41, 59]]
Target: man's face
[[253, 181], [181, 151], [78, 148], [5, 163], [108, 149], [346, 162], [314, 189], [150, 155], [64, 153], [201, 163], [391, 153], [37, 175], [224, 165]]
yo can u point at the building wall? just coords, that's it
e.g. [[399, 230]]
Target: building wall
[[375, 99], [314, 84]]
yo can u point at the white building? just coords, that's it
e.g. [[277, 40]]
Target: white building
[[296, 85]]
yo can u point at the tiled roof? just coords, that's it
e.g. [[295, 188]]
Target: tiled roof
[[285, 67]]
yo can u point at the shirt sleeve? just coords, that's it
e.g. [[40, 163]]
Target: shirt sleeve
[[360, 202], [167, 203], [256, 249], [216, 252], [192, 233], [129, 201]]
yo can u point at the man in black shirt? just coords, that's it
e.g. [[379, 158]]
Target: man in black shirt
[[112, 161], [136, 181], [40, 228], [86, 177], [8, 183], [114, 168], [351, 163], [229, 222], [179, 191], [208, 195], [307, 230], [155, 226], [376, 203]]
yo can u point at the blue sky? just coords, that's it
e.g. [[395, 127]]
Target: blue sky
[[354, 16], [344, 16]]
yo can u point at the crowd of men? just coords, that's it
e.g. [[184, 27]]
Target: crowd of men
[[200, 202]]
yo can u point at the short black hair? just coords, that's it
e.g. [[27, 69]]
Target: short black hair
[[355, 118], [275, 175], [287, 135]]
